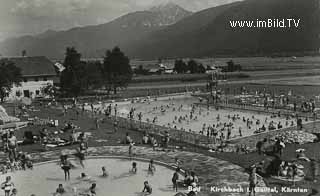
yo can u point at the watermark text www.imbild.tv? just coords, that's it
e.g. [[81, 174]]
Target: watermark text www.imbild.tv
[[267, 23]]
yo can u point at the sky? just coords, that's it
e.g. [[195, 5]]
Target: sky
[[29, 17]]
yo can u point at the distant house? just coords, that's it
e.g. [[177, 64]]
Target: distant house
[[211, 69], [59, 67], [37, 72]]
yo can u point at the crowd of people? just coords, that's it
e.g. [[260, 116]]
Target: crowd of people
[[15, 160]]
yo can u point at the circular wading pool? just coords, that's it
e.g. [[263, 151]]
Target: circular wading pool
[[45, 178]]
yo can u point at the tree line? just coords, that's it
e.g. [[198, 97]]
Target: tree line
[[110, 75], [79, 77], [190, 67], [193, 66]]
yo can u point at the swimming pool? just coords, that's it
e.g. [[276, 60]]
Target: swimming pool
[[167, 112], [45, 178]]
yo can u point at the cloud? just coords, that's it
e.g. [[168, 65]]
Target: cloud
[[49, 6]]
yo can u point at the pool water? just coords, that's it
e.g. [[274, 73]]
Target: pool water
[[204, 116], [45, 178]]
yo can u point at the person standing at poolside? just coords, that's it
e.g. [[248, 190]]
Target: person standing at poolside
[[151, 168], [175, 179], [314, 167], [96, 121], [12, 145], [82, 150], [253, 180], [115, 110], [66, 166], [131, 149], [7, 186], [115, 126]]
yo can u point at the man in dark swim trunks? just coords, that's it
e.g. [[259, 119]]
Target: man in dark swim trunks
[[66, 166], [175, 179]]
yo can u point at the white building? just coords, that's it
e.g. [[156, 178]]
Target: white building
[[37, 72]]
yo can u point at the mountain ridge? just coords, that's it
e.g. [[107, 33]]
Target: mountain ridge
[[201, 34], [93, 40]]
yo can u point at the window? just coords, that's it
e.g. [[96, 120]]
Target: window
[[36, 79], [25, 80], [26, 93], [37, 92], [18, 93], [45, 79]]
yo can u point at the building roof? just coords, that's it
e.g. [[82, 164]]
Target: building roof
[[33, 66]]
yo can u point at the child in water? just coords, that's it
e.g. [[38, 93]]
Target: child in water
[[134, 168], [147, 188], [84, 177], [151, 168], [91, 191], [14, 192], [104, 172]]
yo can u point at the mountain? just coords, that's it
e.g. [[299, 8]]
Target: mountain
[[208, 32], [169, 13], [93, 41], [170, 31], [47, 33]]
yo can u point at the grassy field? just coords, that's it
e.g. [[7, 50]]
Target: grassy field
[[249, 63], [303, 81], [230, 76]]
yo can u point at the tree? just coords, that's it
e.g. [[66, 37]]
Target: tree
[[24, 53], [9, 75], [116, 69], [193, 66], [140, 70], [94, 77], [50, 90], [73, 78], [180, 66], [233, 67], [201, 69]]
